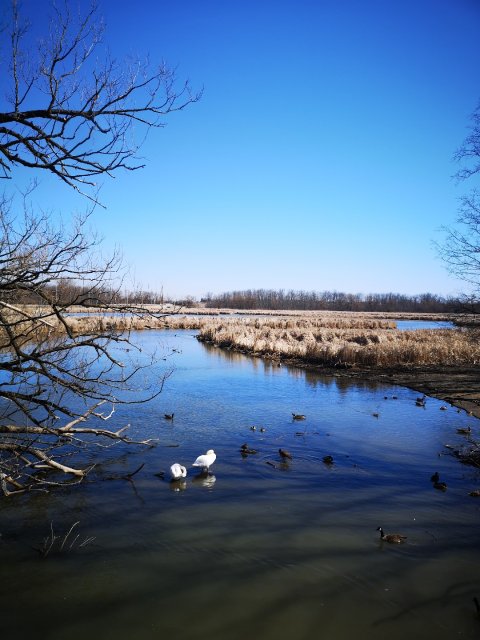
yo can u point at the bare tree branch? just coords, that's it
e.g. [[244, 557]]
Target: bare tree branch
[[73, 115]]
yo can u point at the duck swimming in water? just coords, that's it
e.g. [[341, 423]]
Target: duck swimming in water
[[393, 538]]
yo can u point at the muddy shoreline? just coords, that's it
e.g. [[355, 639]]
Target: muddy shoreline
[[459, 386]]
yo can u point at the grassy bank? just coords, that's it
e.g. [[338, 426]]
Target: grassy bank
[[329, 339], [343, 344]]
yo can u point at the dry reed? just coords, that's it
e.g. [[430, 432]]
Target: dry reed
[[332, 339], [347, 346]]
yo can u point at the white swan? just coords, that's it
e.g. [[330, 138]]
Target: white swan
[[177, 471], [206, 460]]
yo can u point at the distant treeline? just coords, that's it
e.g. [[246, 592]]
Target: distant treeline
[[65, 293], [335, 301]]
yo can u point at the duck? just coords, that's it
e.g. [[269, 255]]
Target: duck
[[206, 460], [298, 416], [421, 402], [443, 407], [284, 454], [262, 429], [475, 493], [177, 471], [435, 477], [168, 416], [464, 431], [393, 538], [441, 486], [253, 428], [328, 459], [245, 450]]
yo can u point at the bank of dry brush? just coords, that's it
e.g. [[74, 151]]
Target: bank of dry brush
[[346, 345], [323, 339]]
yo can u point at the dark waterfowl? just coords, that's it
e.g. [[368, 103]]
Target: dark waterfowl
[[393, 538], [475, 493], [464, 431], [168, 416], [284, 454], [435, 477], [441, 486], [246, 450], [298, 416], [328, 459]]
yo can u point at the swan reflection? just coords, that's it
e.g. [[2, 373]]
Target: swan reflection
[[178, 485], [204, 479]]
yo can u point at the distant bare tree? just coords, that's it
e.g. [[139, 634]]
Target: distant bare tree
[[70, 115], [468, 154], [461, 249]]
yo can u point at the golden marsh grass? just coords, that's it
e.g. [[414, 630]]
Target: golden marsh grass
[[343, 345], [330, 339]]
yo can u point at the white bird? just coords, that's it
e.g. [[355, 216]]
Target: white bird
[[206, 460], [177, 471]]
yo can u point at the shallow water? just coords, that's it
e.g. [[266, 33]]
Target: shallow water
[[260, 550], [410, 325]]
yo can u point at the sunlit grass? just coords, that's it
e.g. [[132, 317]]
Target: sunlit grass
[[337, 345], [330, 339]]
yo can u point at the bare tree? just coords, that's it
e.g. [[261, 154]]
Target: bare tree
[[461, 249], [73, 116], [468, 154], [53, 377], [71, 113]]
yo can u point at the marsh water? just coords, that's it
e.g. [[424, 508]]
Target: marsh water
[[259, 548]]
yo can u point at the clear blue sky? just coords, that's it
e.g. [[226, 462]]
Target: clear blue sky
[[320, 156]]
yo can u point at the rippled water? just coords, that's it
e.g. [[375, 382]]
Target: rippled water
[[259, 548]]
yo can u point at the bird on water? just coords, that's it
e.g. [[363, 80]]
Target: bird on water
[[206, 460], [393, 538], [178, 471]]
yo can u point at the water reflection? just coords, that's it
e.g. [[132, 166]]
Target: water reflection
[[178, 485], [204, 479]]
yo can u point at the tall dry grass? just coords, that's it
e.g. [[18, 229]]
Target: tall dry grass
[[347, 346], [332, 339]]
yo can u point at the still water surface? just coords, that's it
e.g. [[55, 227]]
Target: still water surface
[[268, 551]]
